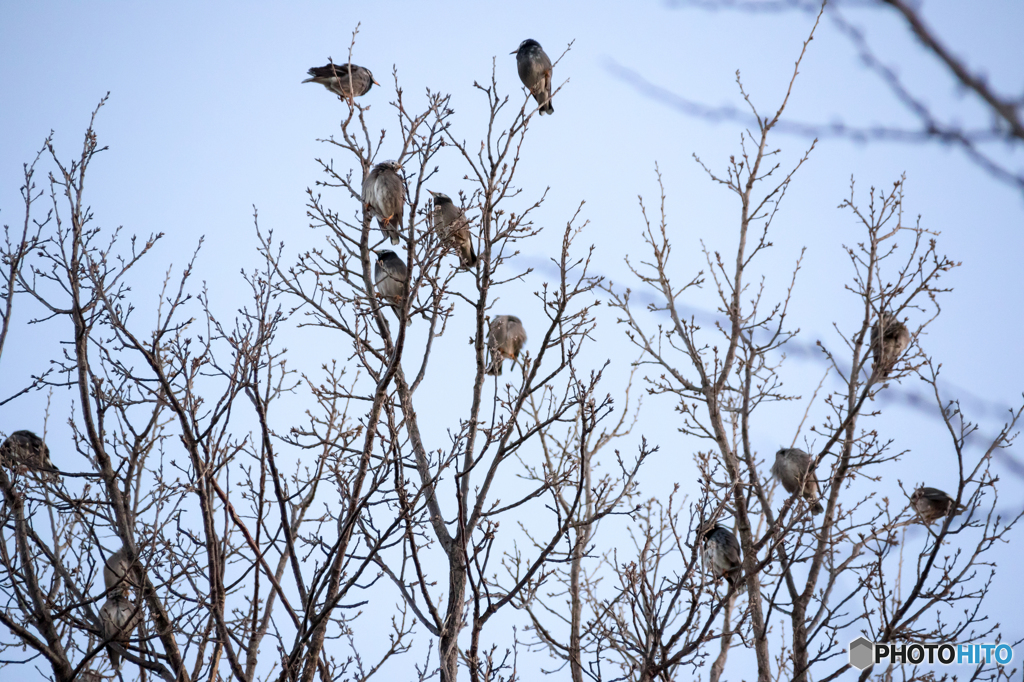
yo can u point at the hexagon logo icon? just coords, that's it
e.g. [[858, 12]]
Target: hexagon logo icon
[[861, 653]]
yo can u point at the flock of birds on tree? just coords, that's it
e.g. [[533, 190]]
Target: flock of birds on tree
[[384, 198], [384, 194]]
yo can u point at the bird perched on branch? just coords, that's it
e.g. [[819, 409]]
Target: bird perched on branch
[[389, 275], [115, 570], [24, 449], [722, 554], [889, 339], [384, 197], [794, 469], [452, 227], [505, 339], [345, 80], [931, 504], [118, 617], [535, 72]]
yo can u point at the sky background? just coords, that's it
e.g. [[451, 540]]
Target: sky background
[[207, 119]]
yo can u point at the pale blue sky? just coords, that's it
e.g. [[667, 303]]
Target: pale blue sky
[[207, 118]]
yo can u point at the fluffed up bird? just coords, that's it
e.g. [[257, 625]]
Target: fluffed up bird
[[894, 341], [505, 339], [115, 570], [794, 469], [384, 197], [117, 623], [535, 72], [722, 554], [345, 80], [390, 274], [25, 449], [931, 504], [452, 227]]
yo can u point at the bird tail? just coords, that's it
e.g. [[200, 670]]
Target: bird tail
[[547, 109], [736, 580], [471, 257], [494, 369], [394, 239], [817, 508], [309, 80]]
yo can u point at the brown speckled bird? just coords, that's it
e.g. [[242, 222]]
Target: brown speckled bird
[[794, 467], [117, 623], [931, 504], [452, 227], [894, 341], [25, 450], [384, 197], [343, 79], [722, 554], [505, 339], [535, 72]]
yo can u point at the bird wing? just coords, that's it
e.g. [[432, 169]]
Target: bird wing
[[497, 333], [390, 276], [730, 547], [544, 61], [369, 182], [389, 194], [516, 336], [934, 495], [329, 71], [900, 338]]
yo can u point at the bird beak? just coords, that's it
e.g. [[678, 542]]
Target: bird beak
[[514, 51], [375, 82], [432, 192]]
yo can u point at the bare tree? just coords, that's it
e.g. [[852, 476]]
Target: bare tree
[[810, 571], [237, 542]]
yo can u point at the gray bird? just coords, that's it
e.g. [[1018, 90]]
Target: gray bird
[[452, 227], [389, 275], [25, 449], [115, 570], [343, 79], [535, 72], [117, 623], [931, 504], [505, 339], [894, 341], [722, 554], [384, 197], [794, 469]]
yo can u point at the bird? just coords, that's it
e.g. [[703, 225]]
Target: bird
[[535, 72], [452, 227], [722, 554], [117, 623], [343, 79], [115, 570], [384, 197], [931, 504], [505, 339], [894, 341], [389, 275], [25, 449], [794, 468]]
